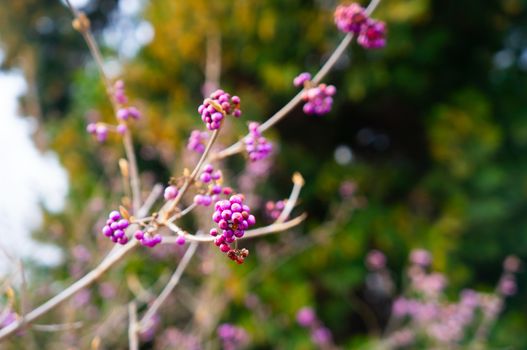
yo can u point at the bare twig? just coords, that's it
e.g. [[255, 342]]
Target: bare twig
[[60, 327], [113, 257], [261, 231], [133, 340], [172, 283], [321, 74], [298, 181], [84, 29], [188, 181], [212, 63]]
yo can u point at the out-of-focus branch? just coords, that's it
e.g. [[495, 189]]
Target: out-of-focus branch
[[167, 212], [59, 327], [82, 24], [133, 341], [172, 283], [113, 257], [284, 111], [261, 231]]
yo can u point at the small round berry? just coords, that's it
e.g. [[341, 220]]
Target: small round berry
[[114, 215], [180, 240], [121, 129], [123, 224], [205, 178], [171, 192], [139, 235], [91, 128], [107, 231]]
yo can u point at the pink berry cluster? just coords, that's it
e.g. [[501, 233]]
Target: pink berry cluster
[[427, 316], [147, 239], [118, 93], [124, 114], [128, 113], [212, 180], [217, 106], [256, 145], [319, 99], [115, 228], [507, 285], [233, 218], [274, 209], [320, 335], [99, 130], [197, 141], [232, 337], [354, 19], [375, 260]]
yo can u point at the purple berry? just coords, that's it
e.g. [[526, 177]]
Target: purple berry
[[180, 240], [373, 35], [301, 79], [171, 192], [256, 145], [216, 107], [350, 18], [114, 215]]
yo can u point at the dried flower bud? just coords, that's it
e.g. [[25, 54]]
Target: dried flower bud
[[81, 23], [123, 166]]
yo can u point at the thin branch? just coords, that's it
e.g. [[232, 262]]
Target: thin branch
[[261, 231], [113, 257], [58, 299], [212, 62], [191, 178], [172, 283], [298, 181], [277, 227], [84, 29], [133, 340], [151, 199], [60, 327], [324, 70], [182, 213], [134, 172]]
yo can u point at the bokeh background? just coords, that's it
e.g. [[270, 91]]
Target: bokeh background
[[431, 130]]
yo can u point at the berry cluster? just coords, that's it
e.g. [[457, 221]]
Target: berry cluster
[[197, 141], [256, 145], [274, 209], [318, 98], [219, 105], [115, 228], [118, 92], [301, 79], [375, 260], [212, 179], [232, 337], [99, 130], [124, 114], [320, 334], [354, 19], [128, 113], [147, 239], [233, 218]]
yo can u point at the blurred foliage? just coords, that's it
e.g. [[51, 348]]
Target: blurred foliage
[[436, 121]]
